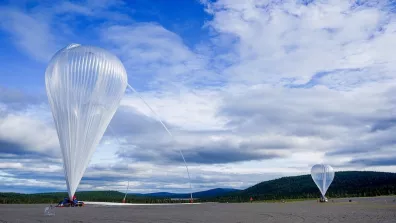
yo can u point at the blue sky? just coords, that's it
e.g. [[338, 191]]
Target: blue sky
[[252, 90], [63, 25]]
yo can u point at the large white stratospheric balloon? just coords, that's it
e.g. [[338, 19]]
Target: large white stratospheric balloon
[[322, 175], [84, 86]]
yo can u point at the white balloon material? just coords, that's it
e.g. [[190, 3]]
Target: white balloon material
[[84, 86], [322, 175]]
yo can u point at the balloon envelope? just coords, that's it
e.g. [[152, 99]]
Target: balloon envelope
[[84, 86], [322, 175]]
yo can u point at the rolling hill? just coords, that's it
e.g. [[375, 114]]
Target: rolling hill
[[345, 184]]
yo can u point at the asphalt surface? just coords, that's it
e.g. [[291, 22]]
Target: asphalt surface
[[362, 210]]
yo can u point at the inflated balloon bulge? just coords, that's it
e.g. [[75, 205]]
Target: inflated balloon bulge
[[84, 86]]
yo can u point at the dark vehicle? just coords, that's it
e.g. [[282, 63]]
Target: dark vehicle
[[66, 202], [79, 204], [323, 199]]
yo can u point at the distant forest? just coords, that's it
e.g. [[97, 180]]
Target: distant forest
[[345, 184], [54, 198]]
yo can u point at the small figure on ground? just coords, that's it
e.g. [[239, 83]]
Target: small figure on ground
[[75, 201], [49, 211]]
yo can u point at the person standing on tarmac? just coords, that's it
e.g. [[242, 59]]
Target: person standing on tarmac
[[75, 201]]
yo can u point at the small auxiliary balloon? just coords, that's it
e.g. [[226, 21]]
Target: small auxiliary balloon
[[323, 176]]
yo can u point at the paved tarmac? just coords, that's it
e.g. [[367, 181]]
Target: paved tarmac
[[361, 210]]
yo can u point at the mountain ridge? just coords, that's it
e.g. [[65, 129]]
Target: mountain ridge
[[199, 194]]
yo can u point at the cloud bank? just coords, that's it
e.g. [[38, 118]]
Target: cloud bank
[[274, 88]]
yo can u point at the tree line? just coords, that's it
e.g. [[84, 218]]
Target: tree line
[[102, 196], [345, 184]]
